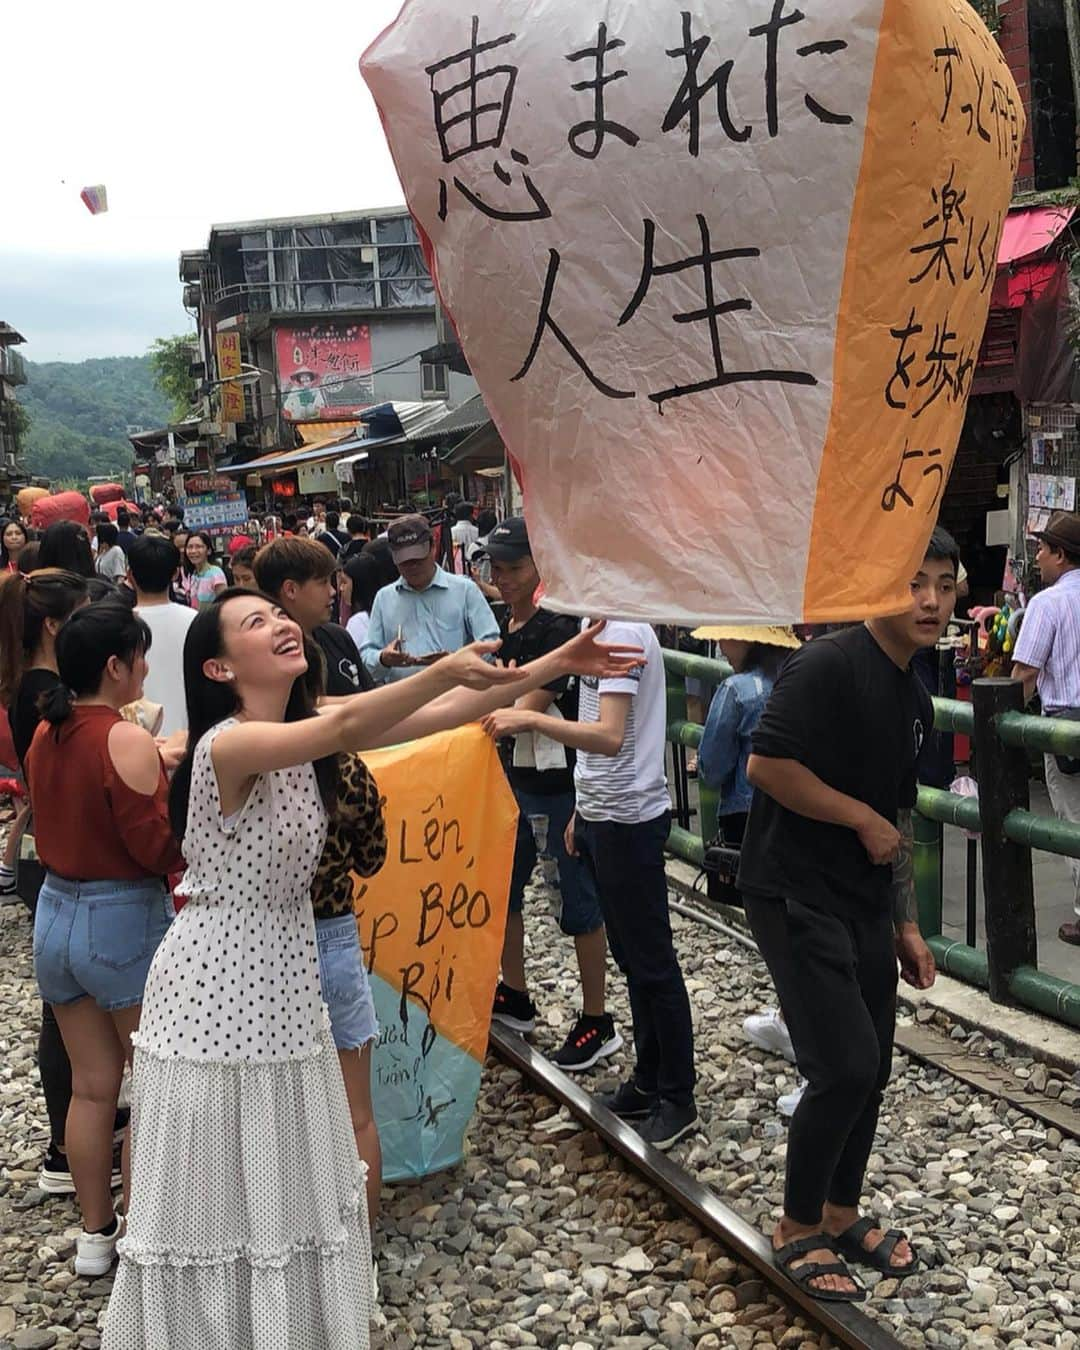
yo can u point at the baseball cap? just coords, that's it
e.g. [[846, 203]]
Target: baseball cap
[[409, 537], [1063, 531], [509, 540]]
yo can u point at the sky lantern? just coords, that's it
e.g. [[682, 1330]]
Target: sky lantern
[[721, 271], [95, 199]]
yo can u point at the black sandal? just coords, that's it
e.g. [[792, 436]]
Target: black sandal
[[810, 1270], [851, 1242]]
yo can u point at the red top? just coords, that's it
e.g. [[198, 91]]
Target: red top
[[88, 824]]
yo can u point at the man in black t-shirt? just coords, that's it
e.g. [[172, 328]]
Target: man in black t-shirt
[[299, 574], [541, 774], [828, 883]]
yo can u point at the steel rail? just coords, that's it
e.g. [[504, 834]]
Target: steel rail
[[846, 1322]]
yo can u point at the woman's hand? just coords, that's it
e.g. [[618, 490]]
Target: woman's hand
[[570, 837], [584, 655], [468, 667], [507, 722], [172, 750]]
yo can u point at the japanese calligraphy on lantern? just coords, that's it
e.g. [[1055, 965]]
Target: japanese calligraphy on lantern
[[721, 270]]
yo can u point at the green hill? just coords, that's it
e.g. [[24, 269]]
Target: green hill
[[80, 413]]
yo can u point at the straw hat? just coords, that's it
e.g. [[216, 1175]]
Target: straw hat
[[766, 635]]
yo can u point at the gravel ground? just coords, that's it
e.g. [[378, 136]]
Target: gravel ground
[[540, 1237]]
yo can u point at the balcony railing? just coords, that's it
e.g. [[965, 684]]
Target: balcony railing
[[323, 296], [12, 366]]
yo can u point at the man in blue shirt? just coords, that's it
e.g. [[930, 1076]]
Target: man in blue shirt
[[425, 614]]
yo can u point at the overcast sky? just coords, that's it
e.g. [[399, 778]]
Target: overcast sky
[[191, 115]]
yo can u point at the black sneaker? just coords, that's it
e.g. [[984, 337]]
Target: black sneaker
[[514, 1009], [54, 1175], [629, 1102], [591, 1039], [669, 1123], [120, 1123]]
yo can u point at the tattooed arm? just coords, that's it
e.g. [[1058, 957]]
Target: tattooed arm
[[905, 905], [916, 958]]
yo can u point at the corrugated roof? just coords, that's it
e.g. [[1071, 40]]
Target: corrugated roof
[[470, 416]]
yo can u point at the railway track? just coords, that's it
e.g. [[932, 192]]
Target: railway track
[[847, 1324]]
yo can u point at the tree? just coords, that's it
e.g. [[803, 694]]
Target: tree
[[171, 360], [18, 420]]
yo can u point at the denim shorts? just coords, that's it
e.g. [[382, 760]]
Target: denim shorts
[[346, 988], [580, 909], [96, 939]]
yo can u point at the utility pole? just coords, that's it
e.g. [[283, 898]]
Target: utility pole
[[1072, 28]]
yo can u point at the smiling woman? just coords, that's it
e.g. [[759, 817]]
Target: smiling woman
[[235, 1061]]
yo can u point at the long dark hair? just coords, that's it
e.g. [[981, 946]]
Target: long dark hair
[[370, 570], [766, 659], [65, 544], [84, 647], [4, 557], [25, 604], [205, 537], [212, 701]]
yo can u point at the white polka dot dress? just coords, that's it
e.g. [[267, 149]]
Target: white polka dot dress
[[248, 1227]]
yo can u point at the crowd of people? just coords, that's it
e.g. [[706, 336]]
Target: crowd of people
[[191, 733]]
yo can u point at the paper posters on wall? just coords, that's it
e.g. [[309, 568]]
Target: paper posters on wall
[[1051, 493], [431, 926], [721, 270]]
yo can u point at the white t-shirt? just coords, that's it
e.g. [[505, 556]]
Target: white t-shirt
[[165, 680], [357, 627], [630, 787], [464, 533]]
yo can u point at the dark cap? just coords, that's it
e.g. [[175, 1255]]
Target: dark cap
[[409, 537], [509, 541], [1062, 531]]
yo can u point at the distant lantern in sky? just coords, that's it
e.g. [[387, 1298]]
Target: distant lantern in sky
[[95, 199]]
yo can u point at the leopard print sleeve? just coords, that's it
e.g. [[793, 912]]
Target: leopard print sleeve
[[355, 839]]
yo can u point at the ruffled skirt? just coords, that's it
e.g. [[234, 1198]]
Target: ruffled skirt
[[248, 1227]]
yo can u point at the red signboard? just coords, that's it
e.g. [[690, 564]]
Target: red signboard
[[324, 370]]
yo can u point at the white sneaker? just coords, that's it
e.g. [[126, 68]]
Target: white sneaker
[[790, 1100], [768, 1031], [95, 1253]]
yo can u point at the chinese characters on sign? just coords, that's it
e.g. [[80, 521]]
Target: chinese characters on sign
[[324, 371], [723, 268], [213, 503], [229, 368]]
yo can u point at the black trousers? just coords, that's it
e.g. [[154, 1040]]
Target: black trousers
[[55, 1069], [53, 1063], [836, 981], [627, 862]]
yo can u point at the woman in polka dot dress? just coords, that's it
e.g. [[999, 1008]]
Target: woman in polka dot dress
[[248, 1223]]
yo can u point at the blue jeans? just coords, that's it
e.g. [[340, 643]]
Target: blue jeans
[[346, 989], [580, 911], [96, 939]]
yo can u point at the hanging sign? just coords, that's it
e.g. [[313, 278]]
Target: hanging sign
[[721, 270]]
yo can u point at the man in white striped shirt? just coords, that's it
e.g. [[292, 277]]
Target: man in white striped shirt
[[1048, 659]]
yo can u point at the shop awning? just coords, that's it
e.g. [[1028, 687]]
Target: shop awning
[[316, 434], [1031, 230]]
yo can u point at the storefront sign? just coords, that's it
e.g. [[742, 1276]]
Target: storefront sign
[[431, 925], [213, 503], [324, 371], [721, 270]]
